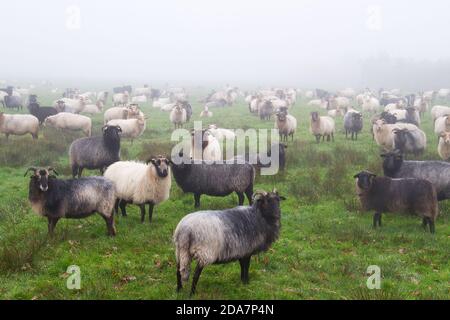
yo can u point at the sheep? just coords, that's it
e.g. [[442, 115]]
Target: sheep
[[286, 125], [410, 141], [70, 105], [215, 179], [444, 145], [13, 102], [140, 183], [129, 112], [339, 102], [321, 127], [206, 113], [121, 98], [443, 93], [41, 112], [207, 147], [383, 132], [353, 123], [213, 237], [70, 121], [178, 116], [441, 124], [131, 128], [102, 96], [3, 94], [73, 199], [216, 104], [410, 195], [394, 106], [95, 152], [221, 134], [439, 111], [168, 107], [160, 102], [265, 110], [319, 103], [335, 113], [93, 108], [370, 104], [412, 116], [140, 99], [187, 106], [19, 124]]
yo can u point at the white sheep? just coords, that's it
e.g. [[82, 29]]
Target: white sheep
[[139, 99], [93, 108], [121, 98], [322, 127], [221, 134], [383, 133], [286, 125], [70, 121], [140, 183], [439, 111], [335, 113], [168, 107], [208, 149], [444, 145], [370, 104], [178, 116], [131, 128], [19, 124], [131, 111], [441, 125], [318, 103], [206, 113], [70, 105], [159, 103]]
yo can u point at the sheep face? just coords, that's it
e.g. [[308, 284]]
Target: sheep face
[[269, 204], [364, 180], [314, 116], [392, 160], [40, 177], [112, 132], [161, 165], [400, 137], [446, 137]]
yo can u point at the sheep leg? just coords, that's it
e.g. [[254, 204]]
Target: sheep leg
[[197, 199], [123, 207], [245, 264], [142, 206], [431, 224], [424, 223], [51, 225], [151, 205], [80, 172], [318, 138], [249, 194], [109, 224], [377, 219], [198, 271], [116, 206], [179, 282], [332, 136]]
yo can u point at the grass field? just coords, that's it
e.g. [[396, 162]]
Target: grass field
[[324, 249]]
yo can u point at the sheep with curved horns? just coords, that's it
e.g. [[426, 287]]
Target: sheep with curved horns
[[214, 237], [140, 183], [409, 195], [73, 199], [95, 152]]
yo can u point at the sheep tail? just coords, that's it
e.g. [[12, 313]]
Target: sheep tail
[[183, 242]]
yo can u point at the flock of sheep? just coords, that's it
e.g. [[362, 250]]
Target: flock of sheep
[[233, 234]]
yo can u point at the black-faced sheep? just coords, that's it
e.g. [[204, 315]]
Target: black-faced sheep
[[40, 112], [353, 123], [410, 195], [73, 199], [95, 152], [140, 183], [214, 237]]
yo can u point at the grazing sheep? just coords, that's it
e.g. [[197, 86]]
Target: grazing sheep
[[131, 128], [353, 123], [73, 199], [140, 183], [383, 133], [286, 125], [178, 116], [215, 179], [213, 237], [70, 121], [439, 111], [322, 127], [207, 147], [444, 145], [19, 125], [410, 141], [437, 172], [383, 194], [129, 112], [216, 104], [95, 152]]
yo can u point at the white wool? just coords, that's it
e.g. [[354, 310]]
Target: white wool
[[441, 124], [131, 128], [19, 124], [439, 111], [286, 127], [70, 121], [326, 126], [384, 136]]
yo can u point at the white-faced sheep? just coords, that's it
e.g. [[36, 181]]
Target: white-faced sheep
[[73, 199], [286, 125], [178, 116], [206, 113], [70, 121], [439, 111], [213, 237], [140, 183], [441, 124], [444, 145], [321, 127], [19, 124], [204, 146], [95, 152], [383, 194], [131, 128]]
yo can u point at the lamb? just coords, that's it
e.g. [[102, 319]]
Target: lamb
[[286, 125], [411, 195], [130, 128], [353, 123], [322, 127], [410, 141], [95, 152], [213, 237], [19, 124], [444, 145], [178, 116], [70, 121], [204, 146], [206, 113], [215, 179], [73, 199], [140, 183], [437, 172], [439, 111], [383, 133]]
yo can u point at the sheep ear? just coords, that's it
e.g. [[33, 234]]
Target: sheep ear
[[29, 169]]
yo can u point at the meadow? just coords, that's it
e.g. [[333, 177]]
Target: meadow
[[325, 246]]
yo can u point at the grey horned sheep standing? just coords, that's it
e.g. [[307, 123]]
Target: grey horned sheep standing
[[213, 237]]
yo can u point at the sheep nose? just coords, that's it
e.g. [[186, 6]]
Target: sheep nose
[[44, 188]]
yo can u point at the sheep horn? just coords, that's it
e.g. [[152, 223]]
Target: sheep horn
[[29, 169], [53, 170]]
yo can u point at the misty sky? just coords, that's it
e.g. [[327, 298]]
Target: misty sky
[[200, 41]]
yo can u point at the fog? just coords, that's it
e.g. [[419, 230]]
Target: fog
[[200, 42]]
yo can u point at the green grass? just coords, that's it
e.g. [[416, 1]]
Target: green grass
[[325, 246]]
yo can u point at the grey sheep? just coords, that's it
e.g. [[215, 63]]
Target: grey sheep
[[95, 152], [214, 237], [409, 195], [73, 199], [410, 141], [215, 179], [437, 172], [353, 123]]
